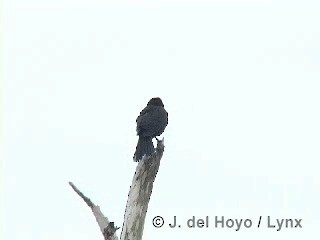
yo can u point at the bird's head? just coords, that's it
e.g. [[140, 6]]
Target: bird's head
[[155, 102]]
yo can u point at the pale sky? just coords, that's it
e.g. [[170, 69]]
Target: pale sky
[[240, 80]]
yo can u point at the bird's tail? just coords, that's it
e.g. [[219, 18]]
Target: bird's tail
[[144, 147]]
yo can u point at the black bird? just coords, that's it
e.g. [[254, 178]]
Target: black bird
[[151, 122]]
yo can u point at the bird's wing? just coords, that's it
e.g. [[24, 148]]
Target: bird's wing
[[152, 121], [142, 113], [143, 119]]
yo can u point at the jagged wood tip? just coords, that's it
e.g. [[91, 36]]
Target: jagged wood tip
[[107, 228], [140, 193], [137, 203], [86, 199]]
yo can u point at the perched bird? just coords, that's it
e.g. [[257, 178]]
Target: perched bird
[[151, 122]]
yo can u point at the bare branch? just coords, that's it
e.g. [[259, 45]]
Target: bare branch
[[107, 228], [138, 200], [139, 195]]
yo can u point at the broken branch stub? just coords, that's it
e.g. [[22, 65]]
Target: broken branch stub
[[139, 194], [137, 203], [107, 228]]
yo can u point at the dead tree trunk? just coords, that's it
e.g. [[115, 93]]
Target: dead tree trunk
[[137, 203]]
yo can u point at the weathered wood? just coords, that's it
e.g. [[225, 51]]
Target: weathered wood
[[139, 195], [137, 203], [107, 228]]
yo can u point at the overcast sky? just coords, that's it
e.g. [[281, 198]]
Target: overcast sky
[[239, 78]]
